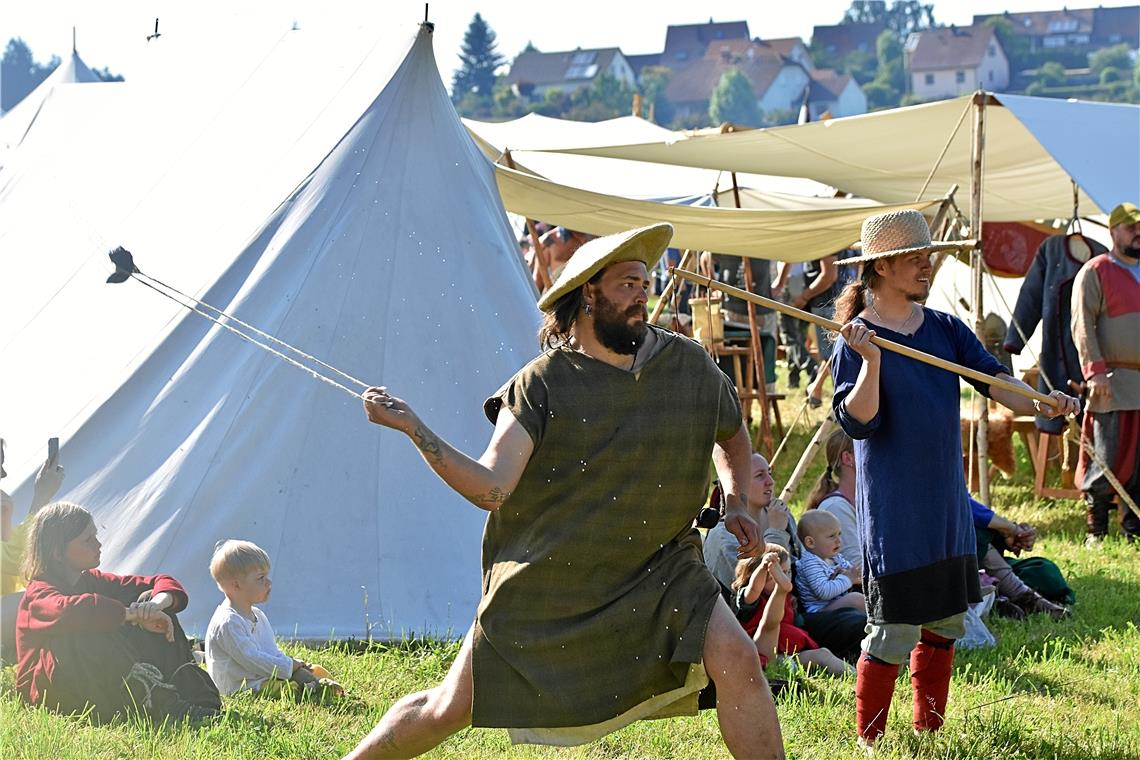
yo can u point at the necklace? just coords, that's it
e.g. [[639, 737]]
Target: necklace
[[902, 327]]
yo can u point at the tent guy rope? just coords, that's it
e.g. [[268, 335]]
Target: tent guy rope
[[125, 269]]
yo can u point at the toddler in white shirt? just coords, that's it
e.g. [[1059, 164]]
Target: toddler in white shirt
[[241, 651]]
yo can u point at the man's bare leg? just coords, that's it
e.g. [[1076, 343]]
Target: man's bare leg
[[422, 720], [744, 706]]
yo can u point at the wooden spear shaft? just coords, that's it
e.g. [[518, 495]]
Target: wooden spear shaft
[[889, 345]]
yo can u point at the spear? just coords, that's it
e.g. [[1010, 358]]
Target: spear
[[889, 345]]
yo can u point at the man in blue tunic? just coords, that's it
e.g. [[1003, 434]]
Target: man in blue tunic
[[919, 555]]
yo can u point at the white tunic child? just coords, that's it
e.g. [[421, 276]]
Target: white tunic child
[[242, 653]]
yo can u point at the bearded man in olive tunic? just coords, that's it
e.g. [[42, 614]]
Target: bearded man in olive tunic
[[597, 608]]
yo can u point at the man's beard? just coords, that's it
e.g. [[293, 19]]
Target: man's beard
[[612, 328]]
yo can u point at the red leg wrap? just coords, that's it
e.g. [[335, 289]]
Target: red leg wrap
[[874, 687], [931, 662]]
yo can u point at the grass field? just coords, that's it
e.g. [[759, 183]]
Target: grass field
[[1048, 690]]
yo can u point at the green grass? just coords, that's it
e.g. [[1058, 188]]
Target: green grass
[[1048, 690]]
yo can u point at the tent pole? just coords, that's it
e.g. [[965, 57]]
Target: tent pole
[[667, 291], [754, 337], [979, 150], [539, 253], [829, 424]]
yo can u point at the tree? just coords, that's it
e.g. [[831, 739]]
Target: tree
[[20, 72], [733, 100], [891, 71], [1115, 57], [903, 17], [478, 61], [860, 65], [654, 81], [1016, 46]]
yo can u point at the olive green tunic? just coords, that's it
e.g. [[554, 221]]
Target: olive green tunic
[[595, 594]]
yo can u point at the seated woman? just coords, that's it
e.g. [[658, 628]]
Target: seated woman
[[996, 534], [834, 492], [92, 640], [765, 607]]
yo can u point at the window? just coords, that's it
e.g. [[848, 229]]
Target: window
[[584, 57], [929, 79], [1064, 25], [582, 72], [990, 75], [960, 76], [1053, 42], [991, 51]]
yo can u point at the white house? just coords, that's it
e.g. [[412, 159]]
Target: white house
[[952, 61]]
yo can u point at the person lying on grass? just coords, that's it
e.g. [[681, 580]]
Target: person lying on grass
[[92, 641], [241, 651], [765, 607]]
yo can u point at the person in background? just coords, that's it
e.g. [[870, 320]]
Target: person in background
[[763, 599], [86, 639], [834, 492], [1106, 323], [904, 416], [241, 651], [824, 579], [13, 539]]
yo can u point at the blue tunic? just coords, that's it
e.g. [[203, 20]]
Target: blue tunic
[[911, 500]]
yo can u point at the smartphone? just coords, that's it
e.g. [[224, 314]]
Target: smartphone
[[53, 450]]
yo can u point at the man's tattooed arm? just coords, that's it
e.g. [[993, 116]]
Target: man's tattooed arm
[[493, 499], [428, 444]]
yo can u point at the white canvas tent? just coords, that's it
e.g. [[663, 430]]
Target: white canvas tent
[[1033, 147], [391, 260], [16, 122], [182, 165]]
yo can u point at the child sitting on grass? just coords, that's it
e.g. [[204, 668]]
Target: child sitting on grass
[[766, 609], [89, 640], [241, 651], [823, 576]]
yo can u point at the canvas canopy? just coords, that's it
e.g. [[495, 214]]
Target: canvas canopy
[[769, 225], [206, 437], [1032, 148], [785, 235], [531, 138]]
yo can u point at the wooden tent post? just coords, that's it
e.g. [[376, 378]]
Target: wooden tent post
[[539, 253], [757, 349], [829, 424], [667, 291], [978, 151]]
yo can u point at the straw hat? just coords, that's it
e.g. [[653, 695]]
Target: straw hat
[[645, 244], [896, 233]]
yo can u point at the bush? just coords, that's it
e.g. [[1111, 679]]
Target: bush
[[880, 95], [1051, 74], [1110, 74]]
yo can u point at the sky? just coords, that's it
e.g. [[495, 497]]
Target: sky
[[110, 33]]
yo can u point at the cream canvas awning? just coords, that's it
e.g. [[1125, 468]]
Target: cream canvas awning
[[800, 234], [1033, 146]]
